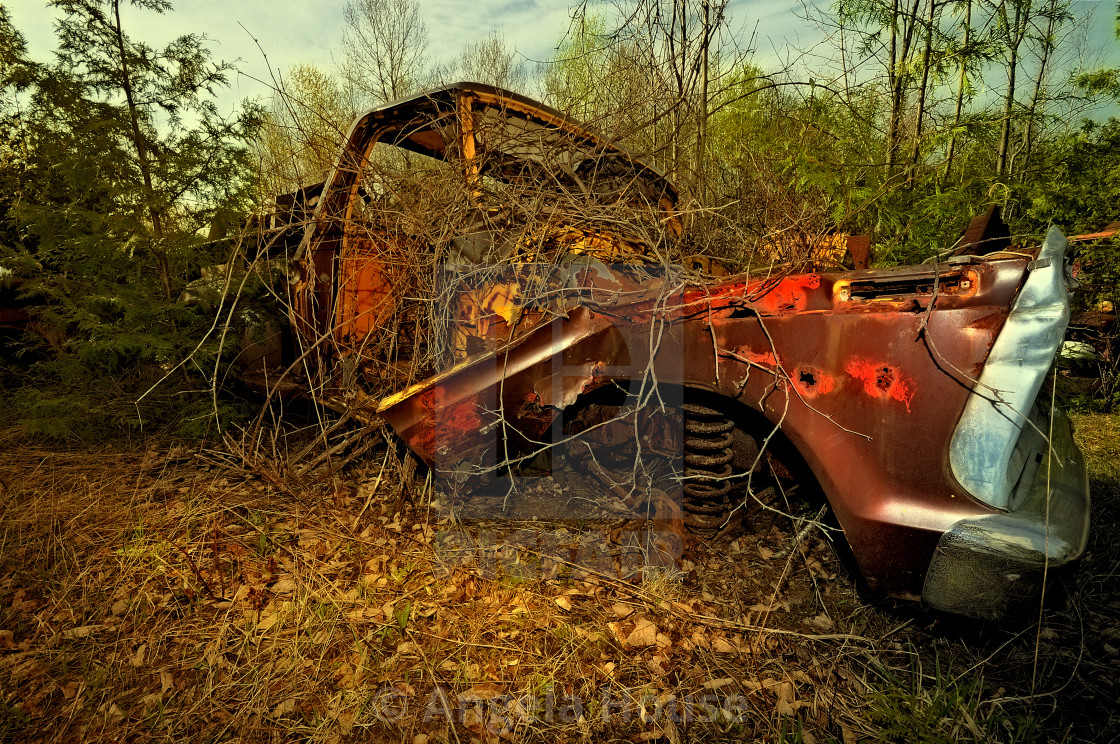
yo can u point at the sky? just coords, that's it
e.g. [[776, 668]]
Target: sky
[[291, 32], [261, 34]]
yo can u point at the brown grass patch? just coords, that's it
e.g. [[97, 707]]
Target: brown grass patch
[[175, 593]]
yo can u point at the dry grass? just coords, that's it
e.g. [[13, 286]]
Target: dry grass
[[175, 594]]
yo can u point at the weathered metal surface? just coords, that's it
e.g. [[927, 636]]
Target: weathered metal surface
[[986, 233], [1110, 231], [865, 396], [350, 272], [866, 373], [987, 453], [984, 565]]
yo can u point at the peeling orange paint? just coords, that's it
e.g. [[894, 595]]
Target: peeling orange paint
[[881, 380], [810, 382], [761, 358]]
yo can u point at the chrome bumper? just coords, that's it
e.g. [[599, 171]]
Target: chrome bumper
[[985, 566]]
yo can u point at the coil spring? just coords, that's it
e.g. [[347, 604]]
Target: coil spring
[[707, 468]]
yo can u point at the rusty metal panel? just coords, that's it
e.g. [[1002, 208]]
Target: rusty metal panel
[[531, 320]]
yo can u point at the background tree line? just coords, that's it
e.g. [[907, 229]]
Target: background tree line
[[118, 174], [911, 115]]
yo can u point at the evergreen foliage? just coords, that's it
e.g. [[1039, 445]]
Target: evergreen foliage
[[117, 161]]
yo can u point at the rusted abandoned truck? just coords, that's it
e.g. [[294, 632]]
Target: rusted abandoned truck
[[496, 281]]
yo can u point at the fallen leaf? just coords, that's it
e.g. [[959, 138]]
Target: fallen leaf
[[285, 707], [622, 610], [715, 684], [722, 646], [822, 621], [643, 634], [671, 732], [590, 635], [472, 720], [284, 586], [481, 691], [345, 722], [768, 684], [563, 603], [83, 631], [787, 699]]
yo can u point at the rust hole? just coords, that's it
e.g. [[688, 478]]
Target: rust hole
[[884, 378], [808, 379]]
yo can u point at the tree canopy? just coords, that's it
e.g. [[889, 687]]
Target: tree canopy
[[116, 163]]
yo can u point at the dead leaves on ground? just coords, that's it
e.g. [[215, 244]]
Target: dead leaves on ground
[[218, 605]]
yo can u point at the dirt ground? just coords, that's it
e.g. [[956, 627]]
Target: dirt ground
[[178, 592]]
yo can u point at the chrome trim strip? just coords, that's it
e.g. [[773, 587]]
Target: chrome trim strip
[[984, 452]]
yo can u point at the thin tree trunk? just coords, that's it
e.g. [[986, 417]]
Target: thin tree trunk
[[898, 81], [960, 88], [702, 118], [1009, 99], [892, 75], [682, 95], [1047, 50], [142, 158], [916, 153], [676, 61]]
